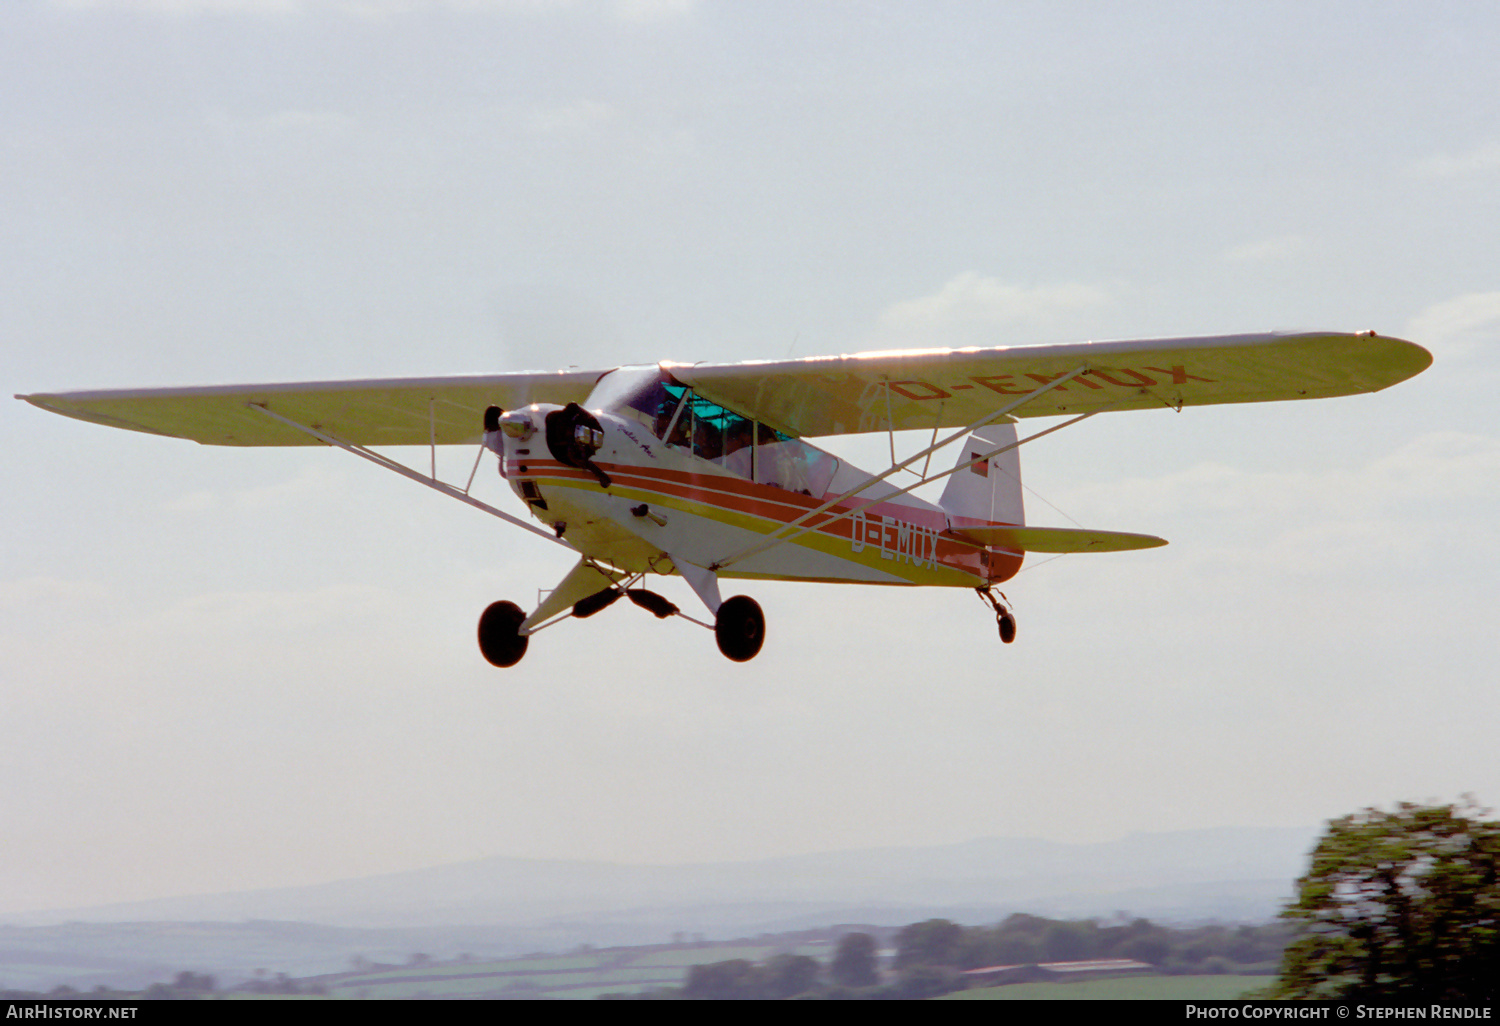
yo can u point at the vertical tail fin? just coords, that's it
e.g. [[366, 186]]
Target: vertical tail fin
[[991, 489]]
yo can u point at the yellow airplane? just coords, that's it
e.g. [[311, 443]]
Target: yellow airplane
[[702, 470]]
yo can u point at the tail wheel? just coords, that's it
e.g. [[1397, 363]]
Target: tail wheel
[[740, 628], [1004, 618], [499, 636], [1007, 628]]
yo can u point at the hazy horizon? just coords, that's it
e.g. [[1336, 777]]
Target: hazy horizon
[[230, 670]]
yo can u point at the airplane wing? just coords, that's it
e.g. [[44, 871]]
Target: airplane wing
[[833, 395], [824, 395], [408, 411]]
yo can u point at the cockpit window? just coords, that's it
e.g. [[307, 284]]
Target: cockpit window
[[670, 425], [683, 419], [786, 462], [741, 445], [692, 422]]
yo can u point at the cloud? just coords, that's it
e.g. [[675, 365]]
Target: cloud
[[182, 8], [31, 593], [972, 310], [1442, 467], [1481, 161], [1282, 247], [1460, 326], [262, 614], [569, 119], [312, 484], [624, 10], [1404, 506], [199, 501], [652, 10]]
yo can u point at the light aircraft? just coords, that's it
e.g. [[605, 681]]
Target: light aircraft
[[703, 470]]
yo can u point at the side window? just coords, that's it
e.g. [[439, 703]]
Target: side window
[[723, 436], [786, 462], [740, 445], [672, 427], [708, 429]]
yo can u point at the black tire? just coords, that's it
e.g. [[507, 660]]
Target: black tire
[[1007, 628], [498, 639], [740, 628]]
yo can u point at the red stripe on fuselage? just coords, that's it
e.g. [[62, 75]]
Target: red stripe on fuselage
[[779, 506], [766, 501]]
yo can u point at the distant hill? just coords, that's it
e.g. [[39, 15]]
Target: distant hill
[[502, 906]]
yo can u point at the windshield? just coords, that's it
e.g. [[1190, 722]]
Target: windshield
[[630, 388]]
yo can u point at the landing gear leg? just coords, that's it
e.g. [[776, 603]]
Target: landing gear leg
[[1004, 618], [499, 634], [740, 628]]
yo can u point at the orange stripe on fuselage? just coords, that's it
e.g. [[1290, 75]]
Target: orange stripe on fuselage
[[879, 528]]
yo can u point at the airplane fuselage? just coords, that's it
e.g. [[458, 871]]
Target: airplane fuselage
[[666, 498]]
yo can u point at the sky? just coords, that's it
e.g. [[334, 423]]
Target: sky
[[228, 669]]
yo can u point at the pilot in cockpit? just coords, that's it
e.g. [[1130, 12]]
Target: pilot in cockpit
[[679, 436], [737, 448], [706, 440]]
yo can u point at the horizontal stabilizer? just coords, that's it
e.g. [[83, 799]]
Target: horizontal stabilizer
[[1057, 539]]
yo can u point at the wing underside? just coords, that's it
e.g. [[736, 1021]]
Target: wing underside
[[828, 395], [409, 411], [951, 388]]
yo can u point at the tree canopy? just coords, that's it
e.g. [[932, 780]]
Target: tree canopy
[[854, 964], [934, 942], [1399, 904]]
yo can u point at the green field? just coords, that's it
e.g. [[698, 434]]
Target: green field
[[620, 970], [628, 970], [682, 958]]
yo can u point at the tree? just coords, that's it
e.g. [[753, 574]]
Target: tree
[[193, 983], [735, 980], [1065, 942], [1402, 904], [1148, 947], [789, 975], [1010, 950], [185, 985], [934, 942], [854, 961]]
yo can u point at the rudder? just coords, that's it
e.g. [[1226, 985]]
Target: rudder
[[989, 490]]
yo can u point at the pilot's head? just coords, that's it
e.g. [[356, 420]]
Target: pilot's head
[[706, 440], [739, 436]]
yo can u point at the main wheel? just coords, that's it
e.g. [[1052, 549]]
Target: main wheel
[[499, 639], [740, 628]]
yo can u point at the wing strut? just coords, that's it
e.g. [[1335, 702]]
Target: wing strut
[[909, 488], [405, 471], [781, 534]]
